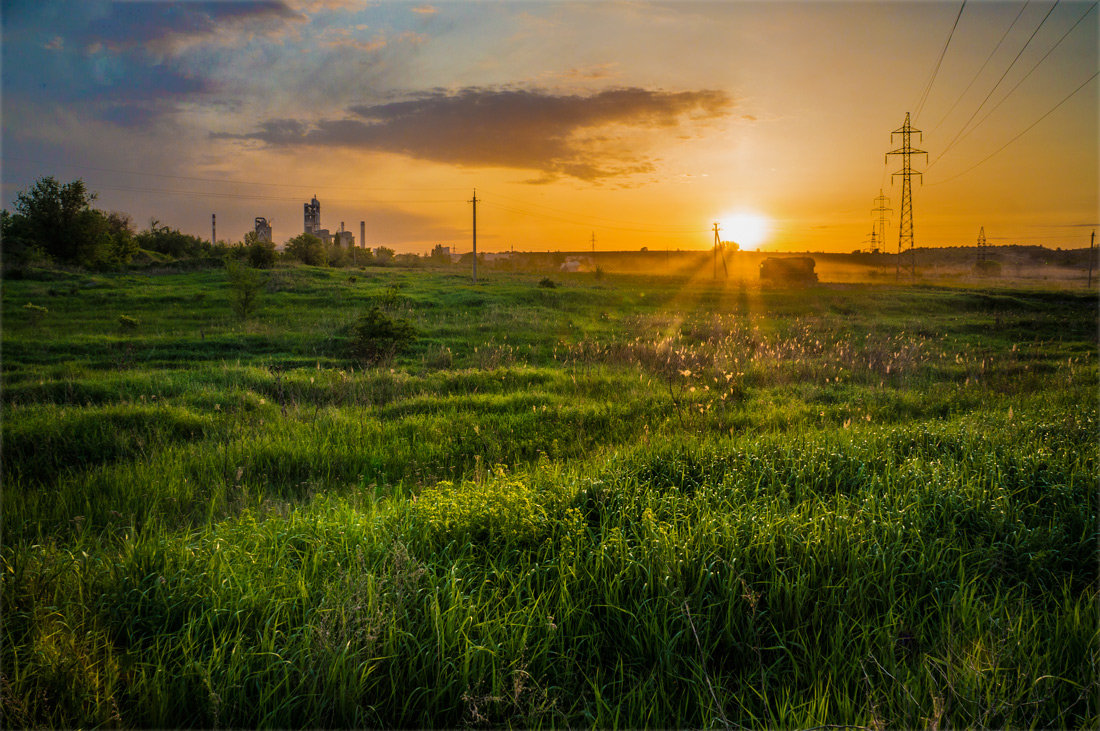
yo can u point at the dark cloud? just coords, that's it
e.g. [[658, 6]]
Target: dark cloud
[[583, 136], [113, 60], [151, 23]]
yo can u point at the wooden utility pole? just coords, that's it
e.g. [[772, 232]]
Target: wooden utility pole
[[1092, 248], [474, 201], [719, 246]]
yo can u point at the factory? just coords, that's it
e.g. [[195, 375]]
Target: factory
[[263, 229]]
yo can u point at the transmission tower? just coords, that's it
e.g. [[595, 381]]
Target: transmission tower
[[881, 209], [905, 229], [983, 247]]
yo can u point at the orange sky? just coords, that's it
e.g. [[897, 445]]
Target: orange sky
[[639, 123]]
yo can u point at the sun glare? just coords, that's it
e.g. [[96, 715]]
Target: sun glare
[[748, 230]]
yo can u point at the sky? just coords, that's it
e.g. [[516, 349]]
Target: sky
[[615, 124]]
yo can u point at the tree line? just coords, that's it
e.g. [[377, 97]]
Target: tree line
[[57, 223]]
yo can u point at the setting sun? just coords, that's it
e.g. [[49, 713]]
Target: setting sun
[[748, 230]]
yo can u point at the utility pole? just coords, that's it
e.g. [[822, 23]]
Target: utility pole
[[1092, 248], [474, 201], [719, 247], [881, 209], [905, 229], [213, 229], [715, 250]]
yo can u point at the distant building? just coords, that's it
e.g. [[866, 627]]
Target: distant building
[[345, 238], [312, 217], [263, 229]]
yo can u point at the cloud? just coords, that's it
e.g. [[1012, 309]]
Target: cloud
[[425, 10], [589, 137], [165, 27]]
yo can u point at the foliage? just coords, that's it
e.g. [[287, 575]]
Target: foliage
[[547, 283], [245, 288], [377, 337], [127, 323], [35, 313], [307, 249], [383, 255], [858, 506], [58, 220], [261, 254], [174, 243]]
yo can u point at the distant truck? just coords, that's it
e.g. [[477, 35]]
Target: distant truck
[[788, 270]]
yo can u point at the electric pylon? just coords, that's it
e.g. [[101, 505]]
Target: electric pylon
[[881, 209], [983, 247], [905, 229]]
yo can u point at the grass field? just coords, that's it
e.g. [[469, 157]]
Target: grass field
[[622, 501]]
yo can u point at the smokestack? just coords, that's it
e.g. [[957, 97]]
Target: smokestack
[[213, 229], [362, 233]]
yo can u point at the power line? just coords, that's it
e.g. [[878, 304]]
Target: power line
[[987, 96], [936, 70], [311, 186], [607, 221], [564, 219], [1022, 80], [250, 196], [1040, 119], [986, 63]]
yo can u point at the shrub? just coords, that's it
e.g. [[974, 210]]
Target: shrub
[[35, 313], [376, 337], [547, 283], [245, 286], [125, 322], [261, 254], [307, 249]]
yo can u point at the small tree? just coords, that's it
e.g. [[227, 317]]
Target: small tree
[[376, 336], [260, 253], [245, 287], [60, 219], [383, 255], [307, 249]]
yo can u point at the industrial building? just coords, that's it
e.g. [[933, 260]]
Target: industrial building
[[312, 221], [263, 229]]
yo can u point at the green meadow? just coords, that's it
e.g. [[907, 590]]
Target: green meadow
[[618, 501]]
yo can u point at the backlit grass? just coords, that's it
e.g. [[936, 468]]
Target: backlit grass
[[618, 502]]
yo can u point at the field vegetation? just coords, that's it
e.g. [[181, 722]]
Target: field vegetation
[[387, 497]]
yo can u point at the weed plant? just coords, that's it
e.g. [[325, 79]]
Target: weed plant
[[621, 502]]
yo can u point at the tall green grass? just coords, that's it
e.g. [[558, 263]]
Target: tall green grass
[[626, 502]]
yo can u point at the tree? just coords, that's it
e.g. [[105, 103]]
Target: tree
[[307, 249], [170, 241], [260, 253], [61, 221], [120, 230], [245, 287], [383, 255]]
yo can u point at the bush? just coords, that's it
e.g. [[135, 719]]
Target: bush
[[125, 322], [260, 254], [245, 286], [377, 337], [547, 283], [307, 249]]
